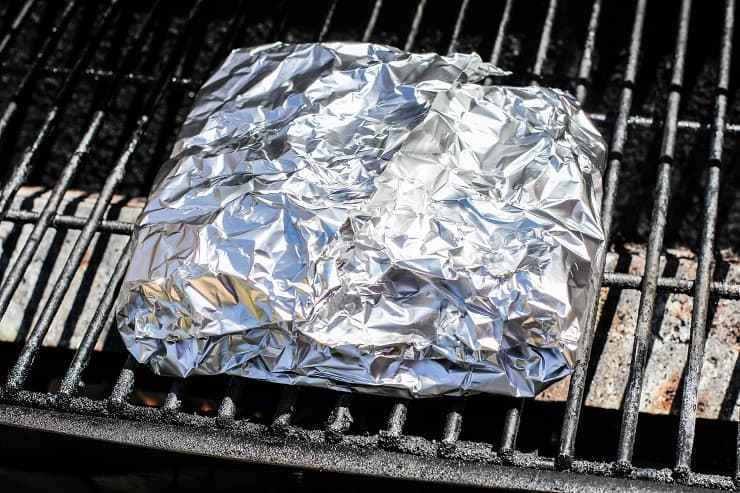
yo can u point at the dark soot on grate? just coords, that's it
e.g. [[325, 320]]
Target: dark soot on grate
[[302, 23]]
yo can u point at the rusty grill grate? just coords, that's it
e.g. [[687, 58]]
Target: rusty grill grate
[[137, 66]]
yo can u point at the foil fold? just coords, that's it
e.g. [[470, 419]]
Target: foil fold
[[352, 216]]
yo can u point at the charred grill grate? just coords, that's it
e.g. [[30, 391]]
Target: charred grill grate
[[133, 51]]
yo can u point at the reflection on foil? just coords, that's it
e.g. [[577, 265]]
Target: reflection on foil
[[351, 216]]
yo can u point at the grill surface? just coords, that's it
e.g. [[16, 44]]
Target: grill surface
[[97, 109]]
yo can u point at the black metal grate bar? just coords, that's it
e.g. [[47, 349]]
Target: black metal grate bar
[[16, 25], [578, 378], [68, 221], [453, 423], [172, 403], [584, 70], [397, 419], [640, 121], [700, 311], [415, 23], [633, 392], [97, 73], [458, 26], [227, 407], [285, 409], [726, 290], [239, 20], [512, 421], [372, 20], [503, 24], [124, 385], [545, 38], [340, 419], [326, 25]]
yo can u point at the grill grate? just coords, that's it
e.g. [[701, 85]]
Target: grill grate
[[111, 75]]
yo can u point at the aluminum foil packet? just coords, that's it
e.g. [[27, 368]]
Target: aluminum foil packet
[[352, 216]]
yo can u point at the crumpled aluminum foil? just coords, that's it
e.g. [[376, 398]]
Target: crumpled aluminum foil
[[351, 216]]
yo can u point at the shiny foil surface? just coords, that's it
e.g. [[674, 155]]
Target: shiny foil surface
[[352, 216]]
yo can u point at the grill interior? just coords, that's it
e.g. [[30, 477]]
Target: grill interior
[[92, 96]]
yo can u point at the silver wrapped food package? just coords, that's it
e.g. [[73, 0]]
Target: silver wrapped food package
[[352, 216]]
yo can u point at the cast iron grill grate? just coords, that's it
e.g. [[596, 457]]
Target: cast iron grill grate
[[97, 108]]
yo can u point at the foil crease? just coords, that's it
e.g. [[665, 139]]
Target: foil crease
[[352, 216]]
